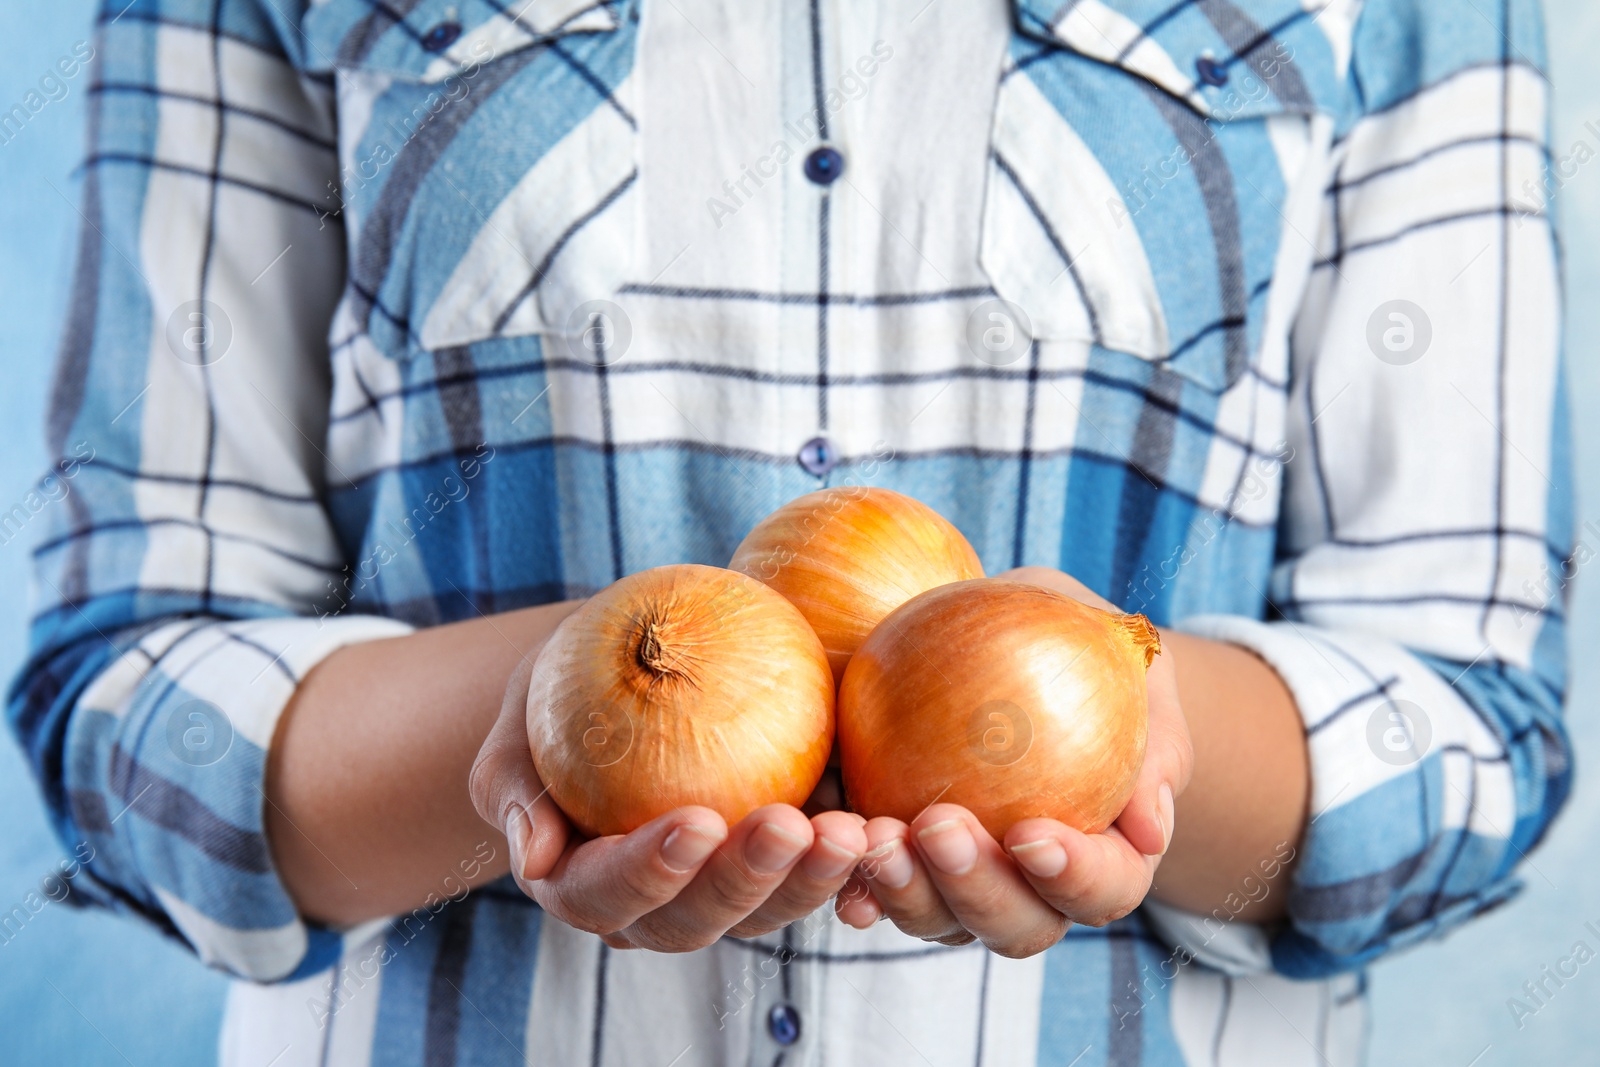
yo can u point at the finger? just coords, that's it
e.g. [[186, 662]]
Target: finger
[[506, 790], [758, 855], [981, 886], [605, 885], [901, 887], [1147, 821], [855, 905], [837, 846], [1059, 582], [1092, 879]]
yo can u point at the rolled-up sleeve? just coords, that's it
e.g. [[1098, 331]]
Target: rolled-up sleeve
[[1416, 611], [187, 572]]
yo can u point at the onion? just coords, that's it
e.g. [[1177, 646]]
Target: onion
[[1011, 700], [848, 556], [679, 685]]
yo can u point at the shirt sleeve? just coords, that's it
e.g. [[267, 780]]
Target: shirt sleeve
[[1425, 538], [187, 571]]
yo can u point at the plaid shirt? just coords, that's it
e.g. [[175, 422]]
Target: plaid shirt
[[1244, 312]]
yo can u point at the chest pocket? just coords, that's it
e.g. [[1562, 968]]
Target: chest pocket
[[487, 161], [1141, 159]]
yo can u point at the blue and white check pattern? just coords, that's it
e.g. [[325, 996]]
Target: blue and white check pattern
[[326, 347]]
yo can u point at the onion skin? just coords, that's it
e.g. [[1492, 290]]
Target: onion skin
[[848, 556], [1013, 701], [675, 686]]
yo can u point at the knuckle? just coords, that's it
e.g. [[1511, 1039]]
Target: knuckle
[[991, 904], [754, 926], [576, 913], [928, 927], [635, 883], [954, 940], [593, 924], [1022, 948], [734, 892], [661, 934], [481, 783], [579, 919], [1118, 908]]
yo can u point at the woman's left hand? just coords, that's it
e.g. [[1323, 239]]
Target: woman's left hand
[[944, 878]]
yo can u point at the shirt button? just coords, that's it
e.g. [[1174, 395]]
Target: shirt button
[[441, 36], [818, 456], [824, 165], [1210, 71], [783, 1023]]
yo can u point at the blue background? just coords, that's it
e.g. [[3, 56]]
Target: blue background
[[85, 988]]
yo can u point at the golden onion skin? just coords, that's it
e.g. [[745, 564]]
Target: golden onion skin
[[675, 686], [848, 556], [1011, 700]]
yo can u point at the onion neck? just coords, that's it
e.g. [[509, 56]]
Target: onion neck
[[1143, 635], [654, 653], [650, 654]]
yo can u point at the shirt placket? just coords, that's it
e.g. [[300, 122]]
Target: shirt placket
[[784, 1013]]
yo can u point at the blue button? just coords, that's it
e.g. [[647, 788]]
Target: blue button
[[824, 165], [441, 36], [818, 456], [783, 1023], [1211, 72]]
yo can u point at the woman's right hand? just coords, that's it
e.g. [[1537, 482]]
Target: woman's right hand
[[676, 884]]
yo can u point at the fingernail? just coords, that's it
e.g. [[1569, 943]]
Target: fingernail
[[1164, 806], [888, 865], [949, 846], [828, 860], [1044, 858], [519, 831], [771, 848], [687, 847]]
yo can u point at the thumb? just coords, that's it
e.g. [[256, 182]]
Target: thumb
[[1148, 820], [507, 792]]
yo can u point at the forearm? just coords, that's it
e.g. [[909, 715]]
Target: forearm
[[1246, 804], [367, 803]]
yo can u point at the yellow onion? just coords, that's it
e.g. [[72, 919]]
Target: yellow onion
[[679, 685], [1011, 700], [848, 556]]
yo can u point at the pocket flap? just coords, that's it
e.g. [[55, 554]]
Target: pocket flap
[[430, 40], [1227, 59]]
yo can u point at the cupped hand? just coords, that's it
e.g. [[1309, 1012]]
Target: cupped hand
[[676, 884], [944, 878]]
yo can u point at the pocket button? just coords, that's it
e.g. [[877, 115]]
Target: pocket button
[[818, 456], [1211, 72], [441, 36]]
